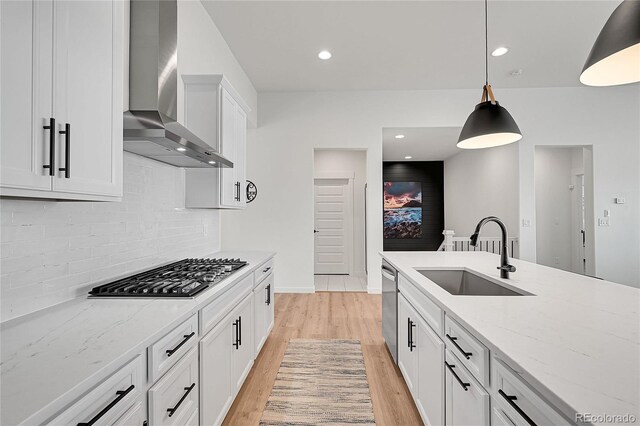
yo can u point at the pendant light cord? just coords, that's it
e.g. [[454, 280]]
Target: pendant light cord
[[486, 42]]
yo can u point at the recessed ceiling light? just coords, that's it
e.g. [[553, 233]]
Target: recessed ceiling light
[[212, 162], [399, 136], [499, 51], [324, 55], [408, 157], [181, 149]]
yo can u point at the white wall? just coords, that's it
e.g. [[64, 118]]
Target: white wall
[[280, 162], [480, 183], [609, 120], [54, 251], [553, 206], [354, 162], [203, 50]]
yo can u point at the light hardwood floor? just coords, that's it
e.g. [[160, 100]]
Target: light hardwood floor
[[340, 283], [328, 316]]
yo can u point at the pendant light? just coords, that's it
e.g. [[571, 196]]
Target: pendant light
[[489, 124], [615, 56]]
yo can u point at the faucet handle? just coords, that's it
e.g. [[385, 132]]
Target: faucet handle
[[509, 268]]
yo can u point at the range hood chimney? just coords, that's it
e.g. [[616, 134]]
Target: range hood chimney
[[151, 128]]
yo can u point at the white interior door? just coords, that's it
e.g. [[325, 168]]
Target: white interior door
[[332, 225]]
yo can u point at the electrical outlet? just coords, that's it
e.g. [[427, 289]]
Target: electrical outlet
[[526, 223]]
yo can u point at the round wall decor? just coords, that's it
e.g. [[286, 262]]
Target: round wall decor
[[252, 191]]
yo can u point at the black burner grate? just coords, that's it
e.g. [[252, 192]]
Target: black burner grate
[[184, 278]]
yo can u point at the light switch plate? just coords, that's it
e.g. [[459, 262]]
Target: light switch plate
[[619, 200], [603, 221]]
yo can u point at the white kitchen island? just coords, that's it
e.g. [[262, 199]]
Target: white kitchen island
[[575, 340]]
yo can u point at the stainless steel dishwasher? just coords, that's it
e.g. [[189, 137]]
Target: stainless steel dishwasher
[[390, 308]]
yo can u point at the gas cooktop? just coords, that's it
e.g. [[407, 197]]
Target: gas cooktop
[[184, 278]]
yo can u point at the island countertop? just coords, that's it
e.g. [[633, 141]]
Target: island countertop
[[51, 357], [576, 340]]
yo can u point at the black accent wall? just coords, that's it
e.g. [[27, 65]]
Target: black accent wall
[[431, 174]]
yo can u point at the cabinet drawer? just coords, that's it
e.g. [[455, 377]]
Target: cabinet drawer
[[168, 350], [109, 401], [174, 399], [425, 307], [519, 402], [135, 416], [467, 402], [211, 314], [263, 270], [473, 354]]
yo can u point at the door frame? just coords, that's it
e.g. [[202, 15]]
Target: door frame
[[349, 176]]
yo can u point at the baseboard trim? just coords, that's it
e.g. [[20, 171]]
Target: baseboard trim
[[377, 290]]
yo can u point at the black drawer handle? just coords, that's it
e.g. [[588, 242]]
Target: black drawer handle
[[171, 411], [467, 355], [52, 147], [240, 330], [510, 399], [119, 397], [267, 269], [67, 151], [236, 343], [464, 385], [268, 288], [186, 338], [411, 342]]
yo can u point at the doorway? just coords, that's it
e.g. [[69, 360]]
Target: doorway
[[564, 208], [339, 226]]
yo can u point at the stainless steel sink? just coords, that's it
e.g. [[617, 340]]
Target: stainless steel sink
[[465, 283]]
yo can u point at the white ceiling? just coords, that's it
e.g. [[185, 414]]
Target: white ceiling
[[395, 45], [421, 143]]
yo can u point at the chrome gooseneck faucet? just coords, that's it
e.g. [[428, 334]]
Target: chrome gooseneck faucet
[[504, 267]]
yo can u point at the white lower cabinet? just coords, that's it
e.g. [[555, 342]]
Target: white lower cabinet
[[263, 311], [242, 358], [421, 361], [467, 403], [135, 416], [107, 403], [431, 375], [216, 390], [173, 400], [226, 357]]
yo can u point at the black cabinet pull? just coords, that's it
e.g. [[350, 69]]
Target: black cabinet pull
[[236, 343], [119, 397], [464, 385], [67, 151], [408, 332], [186, 338], [237, 186], [411, 342], [52, 147], [267, 269], [510, 399], [467, 355], [171, 411], [268, 301], [240, 330]]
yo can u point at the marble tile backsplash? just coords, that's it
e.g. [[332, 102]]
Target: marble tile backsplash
[[54, 251]]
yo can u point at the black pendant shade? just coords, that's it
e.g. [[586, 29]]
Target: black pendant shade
[[615, 56], [488, 125]]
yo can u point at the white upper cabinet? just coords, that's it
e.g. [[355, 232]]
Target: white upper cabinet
[[62, 64], [217, 114]]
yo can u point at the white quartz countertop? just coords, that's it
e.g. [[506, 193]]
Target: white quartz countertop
[[52, 356], [576, 341]]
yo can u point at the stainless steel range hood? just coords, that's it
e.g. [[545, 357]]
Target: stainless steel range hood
[[151, 128]]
